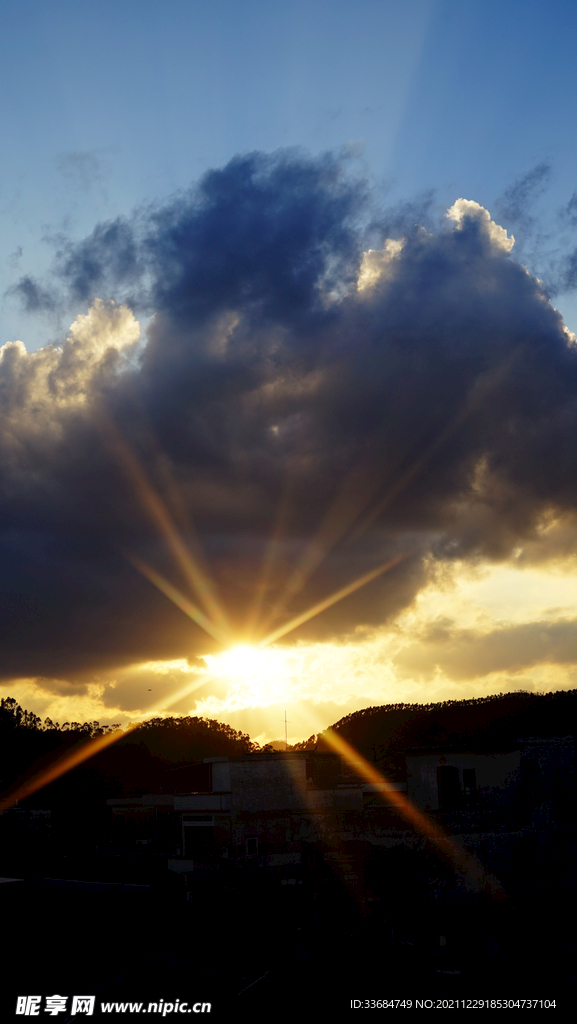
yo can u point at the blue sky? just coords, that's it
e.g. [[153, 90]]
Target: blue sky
[[320, 401], [108, 105]]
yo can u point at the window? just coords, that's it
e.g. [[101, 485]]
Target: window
[[198, 836], [449, 787], [469, 785], [251, 847]]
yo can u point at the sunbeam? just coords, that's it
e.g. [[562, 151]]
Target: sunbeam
[[158, 513], [270, 560], [179, 599], [59, 767], [350, 500], [327, 602], [442, 843]]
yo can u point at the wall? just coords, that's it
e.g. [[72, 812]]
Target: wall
[[496, 776]]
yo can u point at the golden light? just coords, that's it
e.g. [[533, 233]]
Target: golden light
[[249, 664], [59, 766], [157, 510], [259, 677], [242, 661], [334, 598], [179, 599], [444, 844]]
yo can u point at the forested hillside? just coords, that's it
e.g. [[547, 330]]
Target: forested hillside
[[382, 734], [136, 763]]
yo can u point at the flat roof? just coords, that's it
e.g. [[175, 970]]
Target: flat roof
[[275, 755]]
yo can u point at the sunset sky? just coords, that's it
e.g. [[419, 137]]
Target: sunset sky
[[288, 384]]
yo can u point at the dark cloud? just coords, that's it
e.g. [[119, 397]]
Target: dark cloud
[[569, 214], [14, 257], [395, 221], [431, 409], [515, 202], [549, 251], [566, 278], [107, 259], [33, 297], [263, 231], [562, 275]]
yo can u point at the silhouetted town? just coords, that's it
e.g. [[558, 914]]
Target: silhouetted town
[[435, 855]]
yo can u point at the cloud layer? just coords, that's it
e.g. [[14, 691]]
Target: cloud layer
[[322, 388]]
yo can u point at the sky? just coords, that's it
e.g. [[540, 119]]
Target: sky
[[288, 377]]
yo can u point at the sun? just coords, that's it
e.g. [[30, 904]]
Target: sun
[[252, 675], [243, 661]]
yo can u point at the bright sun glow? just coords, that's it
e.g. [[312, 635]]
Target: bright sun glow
[[259, 675], [244, 662]]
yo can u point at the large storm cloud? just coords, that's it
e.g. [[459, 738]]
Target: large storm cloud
[[321, 388]]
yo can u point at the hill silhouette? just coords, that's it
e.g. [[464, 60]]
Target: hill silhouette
[[136, 763], [382, 734], [141, 759]]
